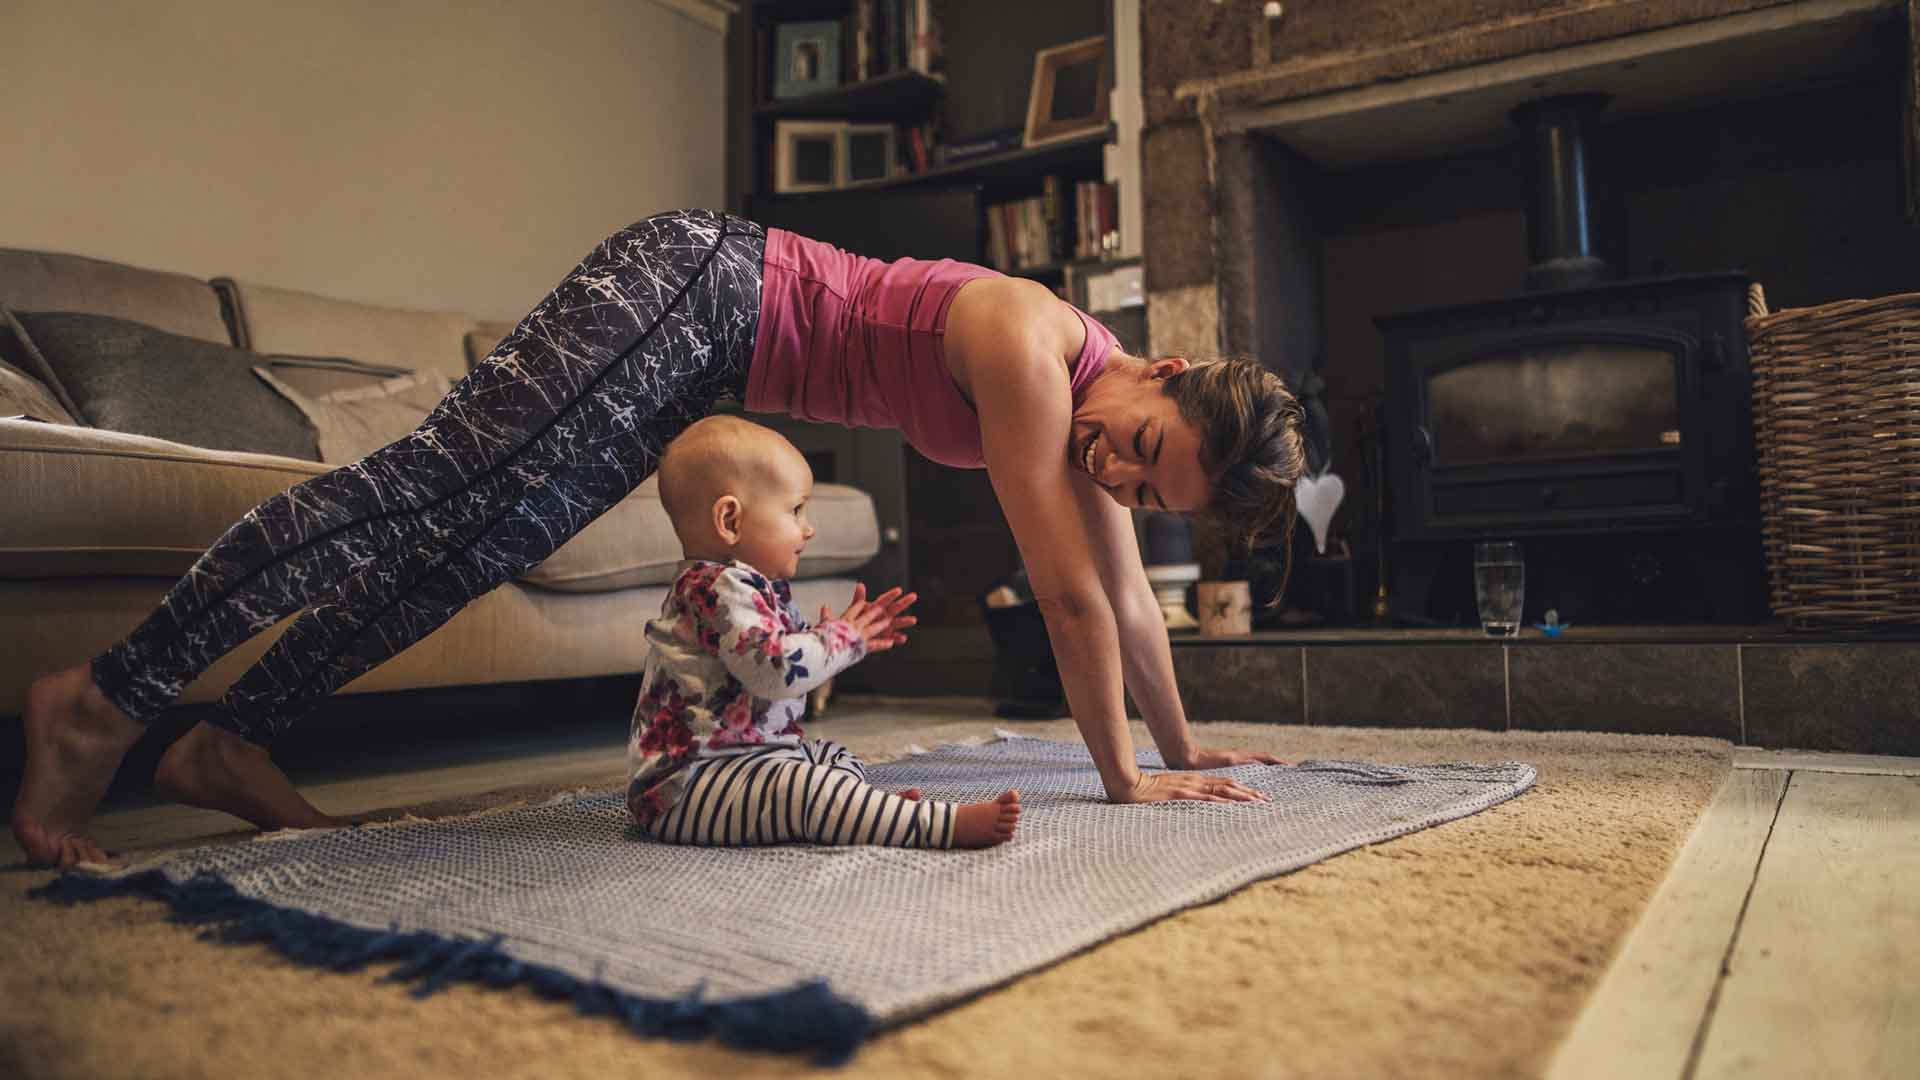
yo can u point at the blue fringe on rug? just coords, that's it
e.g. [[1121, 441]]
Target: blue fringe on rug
[[807, 1017]]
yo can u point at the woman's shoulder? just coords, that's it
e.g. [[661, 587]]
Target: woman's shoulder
[[998, 323]]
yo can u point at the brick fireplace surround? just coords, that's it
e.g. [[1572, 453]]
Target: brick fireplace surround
[[1353, 158]]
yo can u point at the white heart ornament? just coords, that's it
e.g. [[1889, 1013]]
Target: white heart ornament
[[1318, 497]]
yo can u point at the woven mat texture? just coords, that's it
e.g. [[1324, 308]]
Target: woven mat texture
[[898, 932]]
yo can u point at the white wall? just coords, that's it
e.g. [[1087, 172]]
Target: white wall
[[457, 154]]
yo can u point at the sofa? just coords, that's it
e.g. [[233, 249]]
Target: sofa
[[97, 523]]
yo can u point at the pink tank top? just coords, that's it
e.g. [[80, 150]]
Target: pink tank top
[[850, 340]]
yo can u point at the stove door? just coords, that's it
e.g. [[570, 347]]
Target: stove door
[[1565, 401], [1578, 426]]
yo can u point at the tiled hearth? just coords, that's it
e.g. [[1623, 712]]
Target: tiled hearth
[[1756, 686]]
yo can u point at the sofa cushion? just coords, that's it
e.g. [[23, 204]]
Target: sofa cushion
[[104, 503], [304, 324], [90, 502], [509, 635], [176, 303], [314, 376], [483, 337], [633, 543], [23, 395], [128, 377], [353, 421]]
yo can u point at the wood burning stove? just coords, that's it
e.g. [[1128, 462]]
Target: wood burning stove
[[1606, 423]]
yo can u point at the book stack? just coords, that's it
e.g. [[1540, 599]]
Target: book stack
[[1097, 219], [1047, 229], [891, 35]]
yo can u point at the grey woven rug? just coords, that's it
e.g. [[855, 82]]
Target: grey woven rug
[[565, 888]]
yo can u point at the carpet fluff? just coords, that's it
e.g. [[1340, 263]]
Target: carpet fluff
[[566, 896], [1465, 949]]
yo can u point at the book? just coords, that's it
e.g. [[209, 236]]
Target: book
[[1000, 142], [863, 28], [917, 146]]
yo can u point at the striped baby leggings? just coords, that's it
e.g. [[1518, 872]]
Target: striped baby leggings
[[815, 792], [566, 416]]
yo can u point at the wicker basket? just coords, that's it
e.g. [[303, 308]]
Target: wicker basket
[[1836, 417]]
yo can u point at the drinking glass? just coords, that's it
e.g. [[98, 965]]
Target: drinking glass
[[1499, 585]]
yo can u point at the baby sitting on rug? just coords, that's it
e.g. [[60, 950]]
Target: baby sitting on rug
[[716, 750]]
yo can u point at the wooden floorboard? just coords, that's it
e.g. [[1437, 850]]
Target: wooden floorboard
[[1753, 757], [1824, 980], [1644, 1016]]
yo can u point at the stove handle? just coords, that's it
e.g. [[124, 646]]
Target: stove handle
[[1714, 356]]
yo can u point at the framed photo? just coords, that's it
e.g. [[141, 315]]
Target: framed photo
[[1071, 85], [866, 152], [806, 58], [808, 155]]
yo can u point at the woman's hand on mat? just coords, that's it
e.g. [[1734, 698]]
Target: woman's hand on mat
[[881, 620], [1225, 759], [1199, 787]]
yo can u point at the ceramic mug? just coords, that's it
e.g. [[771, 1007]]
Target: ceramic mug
[[1226, 608]]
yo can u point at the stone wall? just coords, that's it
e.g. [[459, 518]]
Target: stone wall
[[1200, 59]]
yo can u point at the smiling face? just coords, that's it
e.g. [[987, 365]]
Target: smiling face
[[1129, 437]]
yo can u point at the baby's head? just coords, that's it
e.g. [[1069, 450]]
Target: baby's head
[[736, 490]]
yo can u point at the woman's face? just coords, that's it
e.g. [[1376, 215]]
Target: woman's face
[[1128, 436]]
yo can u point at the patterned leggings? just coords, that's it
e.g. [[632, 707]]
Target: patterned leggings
[[564, 418], [815, 792]]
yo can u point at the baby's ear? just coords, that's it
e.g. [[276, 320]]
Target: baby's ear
[[726, 518]]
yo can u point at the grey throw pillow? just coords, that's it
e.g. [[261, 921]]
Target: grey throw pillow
[[127, 376]]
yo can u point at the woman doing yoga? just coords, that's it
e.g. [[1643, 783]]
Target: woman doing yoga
[[572, 411]]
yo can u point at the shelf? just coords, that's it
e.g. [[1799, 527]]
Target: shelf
[[1082, 153], [897, 96]]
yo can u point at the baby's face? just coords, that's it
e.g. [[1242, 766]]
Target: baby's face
[[773, 526]]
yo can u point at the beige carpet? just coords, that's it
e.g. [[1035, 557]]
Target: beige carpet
[[1464, 950]]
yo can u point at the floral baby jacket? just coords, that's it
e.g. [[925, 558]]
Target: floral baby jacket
[[731, 664]]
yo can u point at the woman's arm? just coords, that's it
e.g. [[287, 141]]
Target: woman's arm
[[1026, 410], [1146, 656]]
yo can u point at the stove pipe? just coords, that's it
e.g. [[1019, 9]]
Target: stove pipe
[[1559, 217]]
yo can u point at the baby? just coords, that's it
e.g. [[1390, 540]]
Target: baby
[[716, 750]]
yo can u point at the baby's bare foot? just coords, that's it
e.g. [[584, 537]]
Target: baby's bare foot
[[911, 793], [217, 769], [75, 740], [984, 824]]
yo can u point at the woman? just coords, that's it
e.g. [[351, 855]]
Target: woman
[[571, 412]]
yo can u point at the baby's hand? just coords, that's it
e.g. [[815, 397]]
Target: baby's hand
[[879, 620]]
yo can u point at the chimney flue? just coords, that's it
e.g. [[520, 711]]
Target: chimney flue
[[1559, 218]]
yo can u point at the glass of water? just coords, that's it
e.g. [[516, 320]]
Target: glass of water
[[1499, 584]]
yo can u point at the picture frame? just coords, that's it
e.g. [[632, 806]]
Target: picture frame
[[867, 153], [1072, 85], [806, 58], [808, 155]]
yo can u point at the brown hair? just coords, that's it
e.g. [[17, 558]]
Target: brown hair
[[1252, 444]]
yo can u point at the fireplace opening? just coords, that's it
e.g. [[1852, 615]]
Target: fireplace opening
[[1605, 423]]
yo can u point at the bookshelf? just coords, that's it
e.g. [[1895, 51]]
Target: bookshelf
[[960, 91], [898, 95], [953, 544]]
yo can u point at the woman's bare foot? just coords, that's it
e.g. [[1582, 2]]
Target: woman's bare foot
[[214, 768], [984, 824], [75, 740]]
